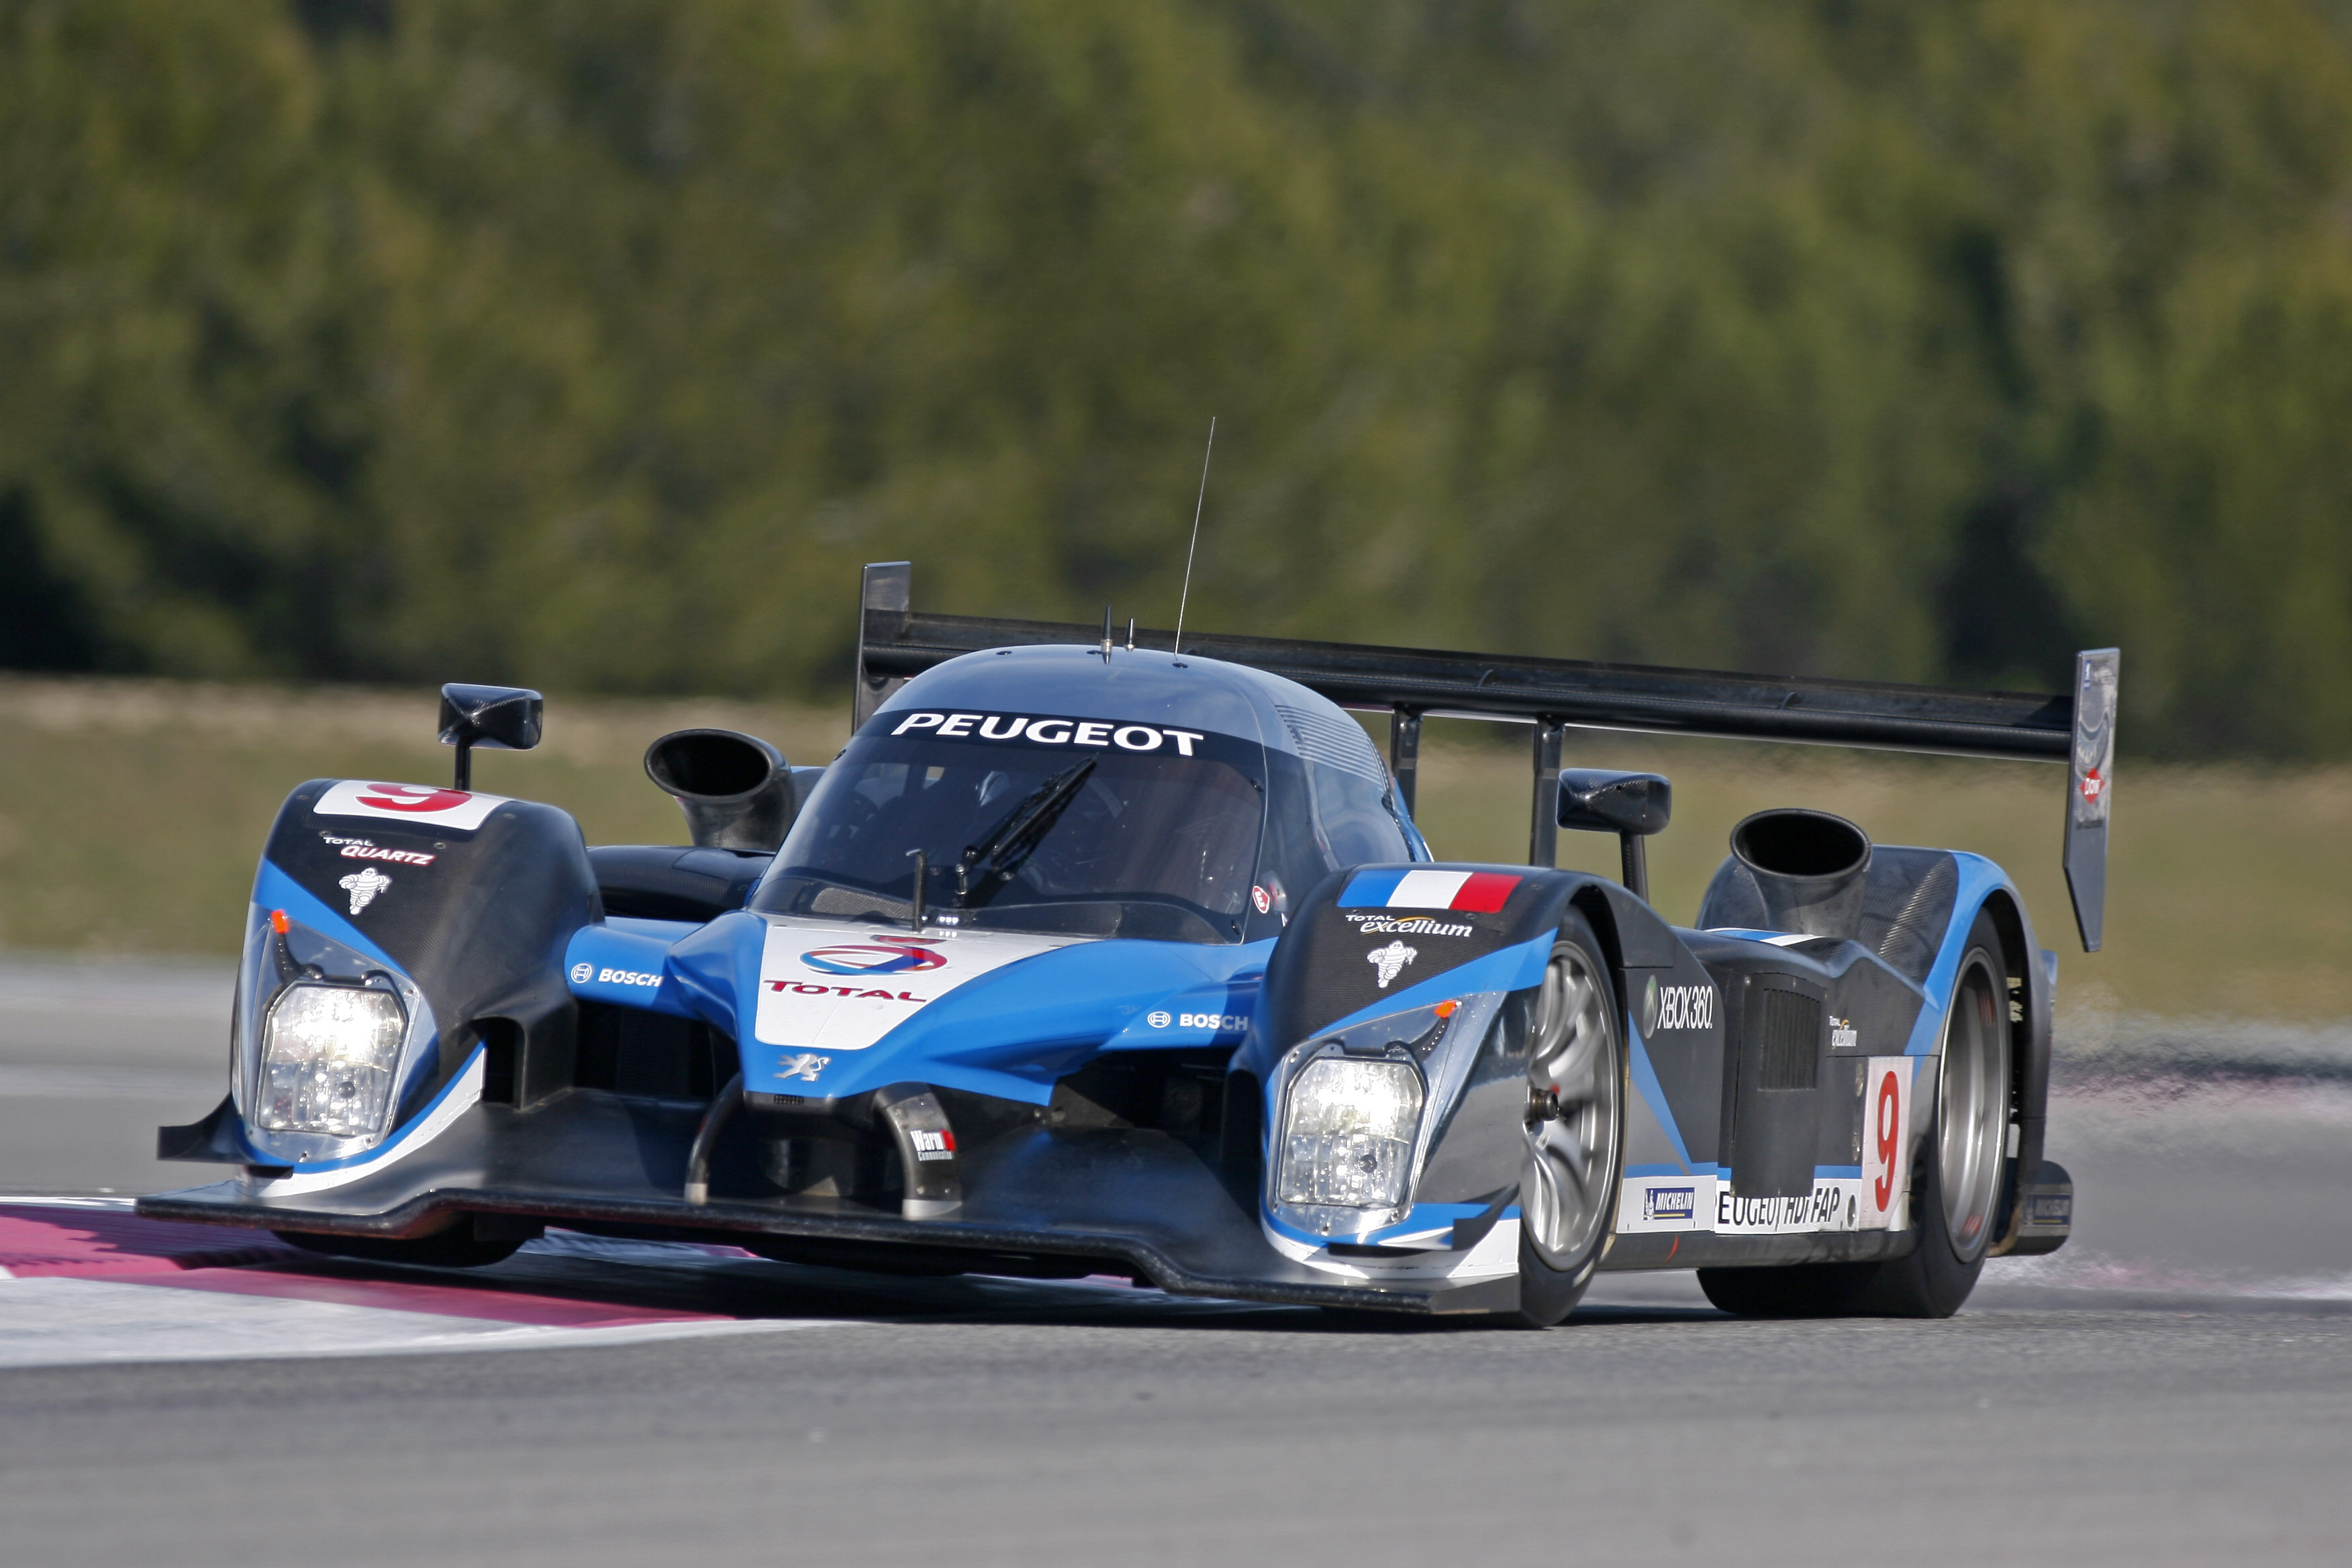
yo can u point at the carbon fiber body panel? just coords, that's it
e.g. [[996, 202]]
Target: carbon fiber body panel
[[1117, 1200]]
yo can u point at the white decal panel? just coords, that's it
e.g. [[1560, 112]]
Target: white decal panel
[[1706, 1201], [1681, 1202], [1886, 1142], [843, 988], [457, 810], [1835, 1204]]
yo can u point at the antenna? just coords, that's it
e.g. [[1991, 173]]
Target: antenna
[[1178, 644]]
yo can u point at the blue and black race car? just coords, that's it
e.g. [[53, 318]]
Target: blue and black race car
[[1088, 957]]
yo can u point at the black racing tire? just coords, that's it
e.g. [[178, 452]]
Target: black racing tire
[[456, 1247], [1941, 1270], [1577, 1054], [1546, 1295]]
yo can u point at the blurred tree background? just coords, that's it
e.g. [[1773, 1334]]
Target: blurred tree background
[[596, 345]]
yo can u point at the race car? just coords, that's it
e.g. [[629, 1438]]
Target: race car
[[1090, 956]]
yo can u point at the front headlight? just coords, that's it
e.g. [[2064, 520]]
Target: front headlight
[[329, 1054], [1348, 1129]]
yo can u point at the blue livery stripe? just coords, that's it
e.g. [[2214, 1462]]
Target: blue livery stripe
[[1371, 889], [1980, 879], [1653, 1094]]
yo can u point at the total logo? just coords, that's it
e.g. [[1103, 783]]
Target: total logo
[[901, 956], [803, 988], [849, 992]]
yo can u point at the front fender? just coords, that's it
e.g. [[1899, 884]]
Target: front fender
[[1372, 959]]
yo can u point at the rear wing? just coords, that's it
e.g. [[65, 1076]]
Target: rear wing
[[1554, 695]]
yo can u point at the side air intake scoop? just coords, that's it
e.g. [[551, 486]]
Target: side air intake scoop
[[735, 789], [1810, 869]]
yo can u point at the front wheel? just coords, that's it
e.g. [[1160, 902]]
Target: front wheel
[[1574, 1130]]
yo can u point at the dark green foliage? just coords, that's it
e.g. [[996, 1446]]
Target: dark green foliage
[[597, 345]]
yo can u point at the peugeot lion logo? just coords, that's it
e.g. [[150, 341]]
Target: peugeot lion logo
[[1390, 961]]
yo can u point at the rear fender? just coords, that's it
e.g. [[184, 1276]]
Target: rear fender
[[2033, 975]]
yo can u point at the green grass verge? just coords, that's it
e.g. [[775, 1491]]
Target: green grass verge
[[130, 813]]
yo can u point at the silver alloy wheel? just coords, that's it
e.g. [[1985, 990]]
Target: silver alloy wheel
[[1572, 1126], [1972, 1119]]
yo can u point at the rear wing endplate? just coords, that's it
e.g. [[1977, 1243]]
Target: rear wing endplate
[[895, 644], [2090, 778]]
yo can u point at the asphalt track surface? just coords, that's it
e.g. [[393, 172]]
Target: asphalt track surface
[[2175, 1387]]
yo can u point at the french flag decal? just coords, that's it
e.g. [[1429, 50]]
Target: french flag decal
[[1478, 893]]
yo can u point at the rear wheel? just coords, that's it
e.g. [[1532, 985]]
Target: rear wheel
[[1574, 1130], [1954, 1192]]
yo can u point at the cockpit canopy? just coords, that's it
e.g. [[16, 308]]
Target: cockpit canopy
[[1054, 790]]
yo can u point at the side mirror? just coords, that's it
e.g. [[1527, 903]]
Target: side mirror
[[1631, 806], [503, 718]]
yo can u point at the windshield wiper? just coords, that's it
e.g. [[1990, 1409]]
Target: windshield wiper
[[1010, 843]]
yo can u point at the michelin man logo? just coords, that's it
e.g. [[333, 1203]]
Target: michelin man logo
[[1390, 961], [363, 885]]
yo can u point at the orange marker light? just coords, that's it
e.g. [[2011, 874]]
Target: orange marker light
[[277, 921], [1446, 1009]]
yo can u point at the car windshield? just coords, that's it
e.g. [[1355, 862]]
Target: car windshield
[[1032, 823]]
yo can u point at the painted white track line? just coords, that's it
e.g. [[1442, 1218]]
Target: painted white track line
[[85, 1281], [61, 1323]]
